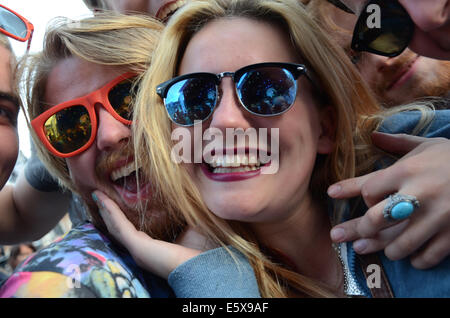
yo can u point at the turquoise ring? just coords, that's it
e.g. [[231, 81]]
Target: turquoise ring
[[400, 206]]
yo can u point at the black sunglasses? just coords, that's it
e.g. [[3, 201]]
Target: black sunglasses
[[391, 37], [264, 89]]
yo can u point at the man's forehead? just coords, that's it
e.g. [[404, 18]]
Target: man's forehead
[[73, 77]]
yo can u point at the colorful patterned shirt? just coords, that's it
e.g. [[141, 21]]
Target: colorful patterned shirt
[[84, 263]]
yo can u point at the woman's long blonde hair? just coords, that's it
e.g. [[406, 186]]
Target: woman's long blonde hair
[[337, 77]]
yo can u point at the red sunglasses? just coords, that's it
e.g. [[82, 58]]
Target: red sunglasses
[[69, 128], [15, 26]]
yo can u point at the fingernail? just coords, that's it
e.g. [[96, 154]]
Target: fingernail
[[334, 190], [337, 234], [359, 246], [97, 201]]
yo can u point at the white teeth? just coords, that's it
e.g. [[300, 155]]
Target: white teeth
[[123, 171], [171, 8], [235, 161], [233, 170]]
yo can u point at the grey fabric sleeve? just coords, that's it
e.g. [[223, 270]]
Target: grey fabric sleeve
[[38, 176], [215, 273]]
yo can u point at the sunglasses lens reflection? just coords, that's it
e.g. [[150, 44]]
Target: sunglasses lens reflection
[[69, 129], [120, 98], [267, 91], [393, 35], [12, 24], [191, 99]]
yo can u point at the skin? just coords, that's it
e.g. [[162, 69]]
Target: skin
[[90, 170], [432, 20], [395, 80], [9, 141], [25, 251], [151, 7], [374, 184], [304, 131], [19, 202], [255, 198], [425, 235]]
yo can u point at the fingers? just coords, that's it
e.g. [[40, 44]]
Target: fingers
[[396, 143], [381, 240], [366, 226], [433, 252], [381, 230], [156, 256], [116, 222], [373, 187], [412, 239], [348, 188]]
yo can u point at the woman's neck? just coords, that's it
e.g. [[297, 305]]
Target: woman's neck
[[304, 239]]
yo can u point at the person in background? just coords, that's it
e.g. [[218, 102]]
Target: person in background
[[19, 253], [9, 110], [431, 23], [160, 9], [36, 189], [394, 80]]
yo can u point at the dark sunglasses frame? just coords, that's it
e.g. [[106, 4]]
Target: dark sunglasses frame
[[359, 42], [296, 71], [359, 39]]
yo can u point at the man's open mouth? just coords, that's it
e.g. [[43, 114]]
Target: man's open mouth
[[130, 183]]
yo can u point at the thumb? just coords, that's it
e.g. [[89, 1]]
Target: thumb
[[399, 144], [117, 223]]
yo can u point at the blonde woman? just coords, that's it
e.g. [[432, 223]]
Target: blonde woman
[[217, 62]]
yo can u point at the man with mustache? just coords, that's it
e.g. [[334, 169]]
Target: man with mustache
[[394, 80], [80, 91], [431, 20], [35, 188]]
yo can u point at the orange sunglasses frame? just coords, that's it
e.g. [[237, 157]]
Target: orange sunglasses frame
[[88, 101], [28, 24]]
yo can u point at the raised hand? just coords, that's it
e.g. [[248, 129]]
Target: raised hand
[[424, 172], [158, 257]]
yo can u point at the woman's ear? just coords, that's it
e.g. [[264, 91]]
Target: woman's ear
[[327, 137]]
